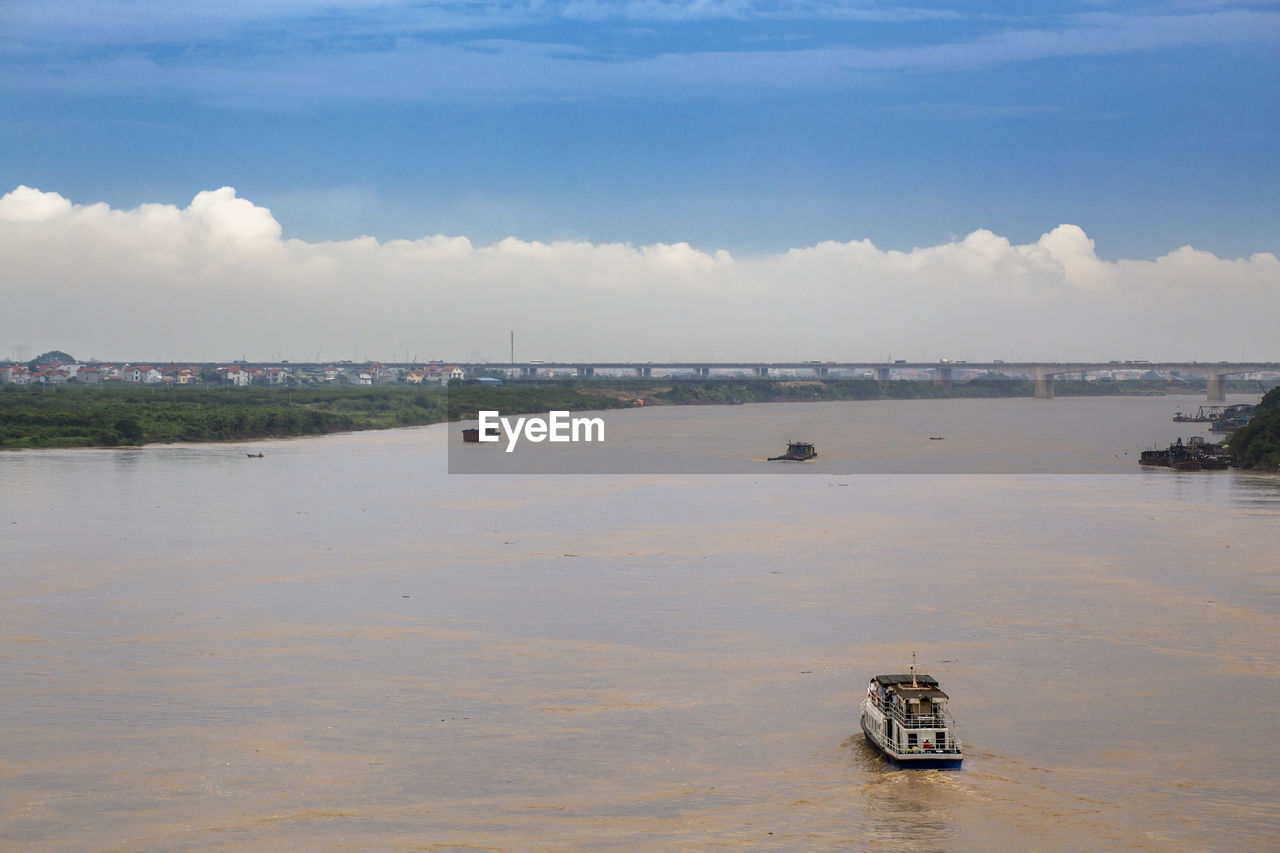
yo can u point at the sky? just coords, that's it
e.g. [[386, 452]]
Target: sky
[[643, 179]]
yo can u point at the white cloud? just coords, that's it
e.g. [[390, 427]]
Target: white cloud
[[216, 280]]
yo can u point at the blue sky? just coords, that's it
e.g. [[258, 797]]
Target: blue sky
[[749, 126]]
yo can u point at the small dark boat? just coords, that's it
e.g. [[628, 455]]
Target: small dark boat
[[797, 451], [471, 435], [254, 455], [936, 438]]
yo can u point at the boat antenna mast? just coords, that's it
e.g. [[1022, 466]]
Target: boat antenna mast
[[913, 669]]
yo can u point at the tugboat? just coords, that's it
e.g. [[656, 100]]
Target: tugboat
[[797, 451], [905, 718]]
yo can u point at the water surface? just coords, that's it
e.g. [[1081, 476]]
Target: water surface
[[339, 645]]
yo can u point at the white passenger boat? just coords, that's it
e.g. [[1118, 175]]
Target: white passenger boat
[[905, 717]]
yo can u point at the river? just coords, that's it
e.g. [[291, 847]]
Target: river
[[341, 645]]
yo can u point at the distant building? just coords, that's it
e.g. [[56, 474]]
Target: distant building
[[235, 375], [142, 373], [16, 374]]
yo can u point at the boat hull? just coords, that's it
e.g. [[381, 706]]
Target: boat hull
[[913, 761]]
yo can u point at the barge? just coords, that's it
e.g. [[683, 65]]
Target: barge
[[1203, 415], [1196, 455]]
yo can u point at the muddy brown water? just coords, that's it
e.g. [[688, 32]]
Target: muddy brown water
[[341, 646]]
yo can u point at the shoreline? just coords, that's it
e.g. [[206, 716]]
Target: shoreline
[[39, 419]]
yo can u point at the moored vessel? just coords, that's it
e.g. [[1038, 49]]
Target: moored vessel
[[1204, 414], [1232, 418], [1196, 455], [905, 717]]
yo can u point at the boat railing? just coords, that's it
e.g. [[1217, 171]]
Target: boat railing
[[950, 749], [941, 720], [937, 721]]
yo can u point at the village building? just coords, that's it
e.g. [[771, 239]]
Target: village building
[[15, 374], [142, 373], [235, 375]]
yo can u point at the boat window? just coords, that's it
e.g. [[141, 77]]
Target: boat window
[[911, 740], [941, 740]]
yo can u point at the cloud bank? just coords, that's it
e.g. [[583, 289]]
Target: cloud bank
[[217, 280]]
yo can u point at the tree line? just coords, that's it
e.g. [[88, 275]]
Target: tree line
[[1257, 444]]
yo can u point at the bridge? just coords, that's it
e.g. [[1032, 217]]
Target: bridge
[[1215, 373]]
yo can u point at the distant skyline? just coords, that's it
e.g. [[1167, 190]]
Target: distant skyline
[[594, 172]]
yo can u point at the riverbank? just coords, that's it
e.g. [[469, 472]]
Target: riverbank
[[111, 417], [79, 416]]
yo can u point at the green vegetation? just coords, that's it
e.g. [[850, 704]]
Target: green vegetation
[[806, 390], [53, 356], [1257, 444], [96, 416], [79, 416]]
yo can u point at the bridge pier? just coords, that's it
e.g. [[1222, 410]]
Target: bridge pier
[[1044, 385], [942, 376], [529, 371], [882, 374], [762, 372], [1216, 388], [644, 372], [586, 372], [820, 371]]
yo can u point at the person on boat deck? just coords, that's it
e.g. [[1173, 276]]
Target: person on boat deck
[[927, 746]]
